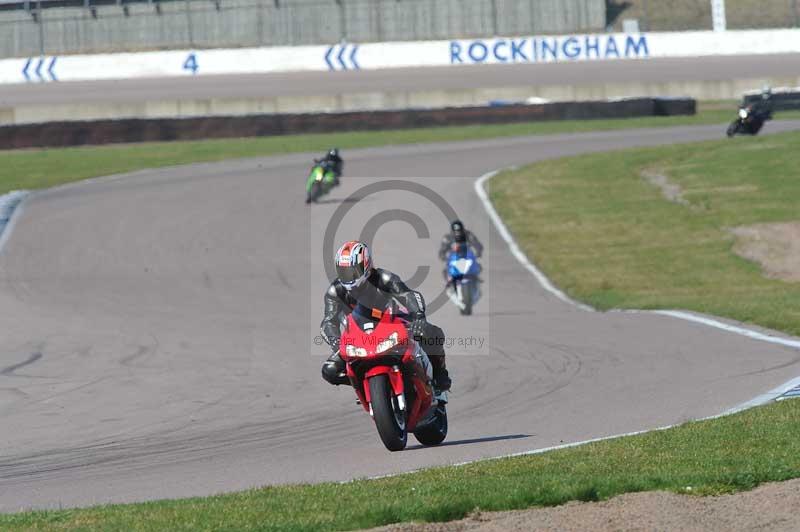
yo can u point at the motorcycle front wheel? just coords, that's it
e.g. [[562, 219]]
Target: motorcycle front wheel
[[733, 128], [465, 296], [389, 419], [314, 192]]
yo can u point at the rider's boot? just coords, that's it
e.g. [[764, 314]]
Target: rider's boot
[[441, 378], [333, 370]]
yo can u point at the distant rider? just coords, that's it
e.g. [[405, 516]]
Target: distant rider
[[335, 162], [456, 238], [753, 115], [763, 107], [761, 110], [358, 283]]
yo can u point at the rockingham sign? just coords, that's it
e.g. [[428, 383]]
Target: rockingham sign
[[549, 49], [343, 57]]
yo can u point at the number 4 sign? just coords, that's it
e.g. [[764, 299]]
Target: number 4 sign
[[191, 63]]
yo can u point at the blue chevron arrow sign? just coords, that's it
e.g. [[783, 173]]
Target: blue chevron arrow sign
[[25, 69], [337, 57], [51, 67], [33, 69]]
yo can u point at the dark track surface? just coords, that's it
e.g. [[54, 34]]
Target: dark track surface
[[156, 333], [404, 80]]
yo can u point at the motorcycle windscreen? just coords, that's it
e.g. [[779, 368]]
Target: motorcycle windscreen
[[460, 266]]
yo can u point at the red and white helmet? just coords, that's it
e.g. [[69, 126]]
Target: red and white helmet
[[353, 264]]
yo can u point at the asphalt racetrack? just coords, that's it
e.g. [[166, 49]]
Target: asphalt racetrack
[[713, 68], [157, 337]]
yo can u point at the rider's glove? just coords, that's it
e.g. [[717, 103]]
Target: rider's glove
[[418, 325]]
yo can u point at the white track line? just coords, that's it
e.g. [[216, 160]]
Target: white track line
[[758, 401], [548, 285], [515, 250], [710, 322], [10, 209], [679, 314], [772, 395]]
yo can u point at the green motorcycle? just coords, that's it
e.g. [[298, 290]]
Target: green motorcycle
[[320, 181]]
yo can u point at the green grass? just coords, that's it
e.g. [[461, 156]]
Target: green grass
[[724, 455], [33, 169], [609, 238]]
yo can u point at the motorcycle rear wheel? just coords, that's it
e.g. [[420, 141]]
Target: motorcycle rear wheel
[[435, 432], [389, 419]]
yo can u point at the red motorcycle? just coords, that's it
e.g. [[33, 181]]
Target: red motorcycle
[[392, 377]]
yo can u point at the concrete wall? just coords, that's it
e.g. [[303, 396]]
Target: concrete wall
[[398, 54], [374, 101], [234, 23]]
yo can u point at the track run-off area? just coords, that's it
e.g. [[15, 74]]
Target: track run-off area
[[158, 330]]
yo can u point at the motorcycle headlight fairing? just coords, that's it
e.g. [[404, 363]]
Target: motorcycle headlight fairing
[[353, 351], [387, 344], [742, 113]]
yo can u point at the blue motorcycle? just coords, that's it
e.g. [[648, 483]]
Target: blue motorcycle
[[462, 279]]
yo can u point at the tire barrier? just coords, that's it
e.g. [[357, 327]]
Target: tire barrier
[[58, 134]]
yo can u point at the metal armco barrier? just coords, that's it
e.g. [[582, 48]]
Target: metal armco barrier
[[52, 134]]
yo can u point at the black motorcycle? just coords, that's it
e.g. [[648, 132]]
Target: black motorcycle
[[749, 122]]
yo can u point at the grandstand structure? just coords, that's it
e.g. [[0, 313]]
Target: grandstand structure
[[59, 27], [686, 15]]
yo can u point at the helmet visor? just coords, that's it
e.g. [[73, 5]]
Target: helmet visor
[[350, 274]]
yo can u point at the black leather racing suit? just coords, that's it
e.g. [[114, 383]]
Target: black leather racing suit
[[379, 289]]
